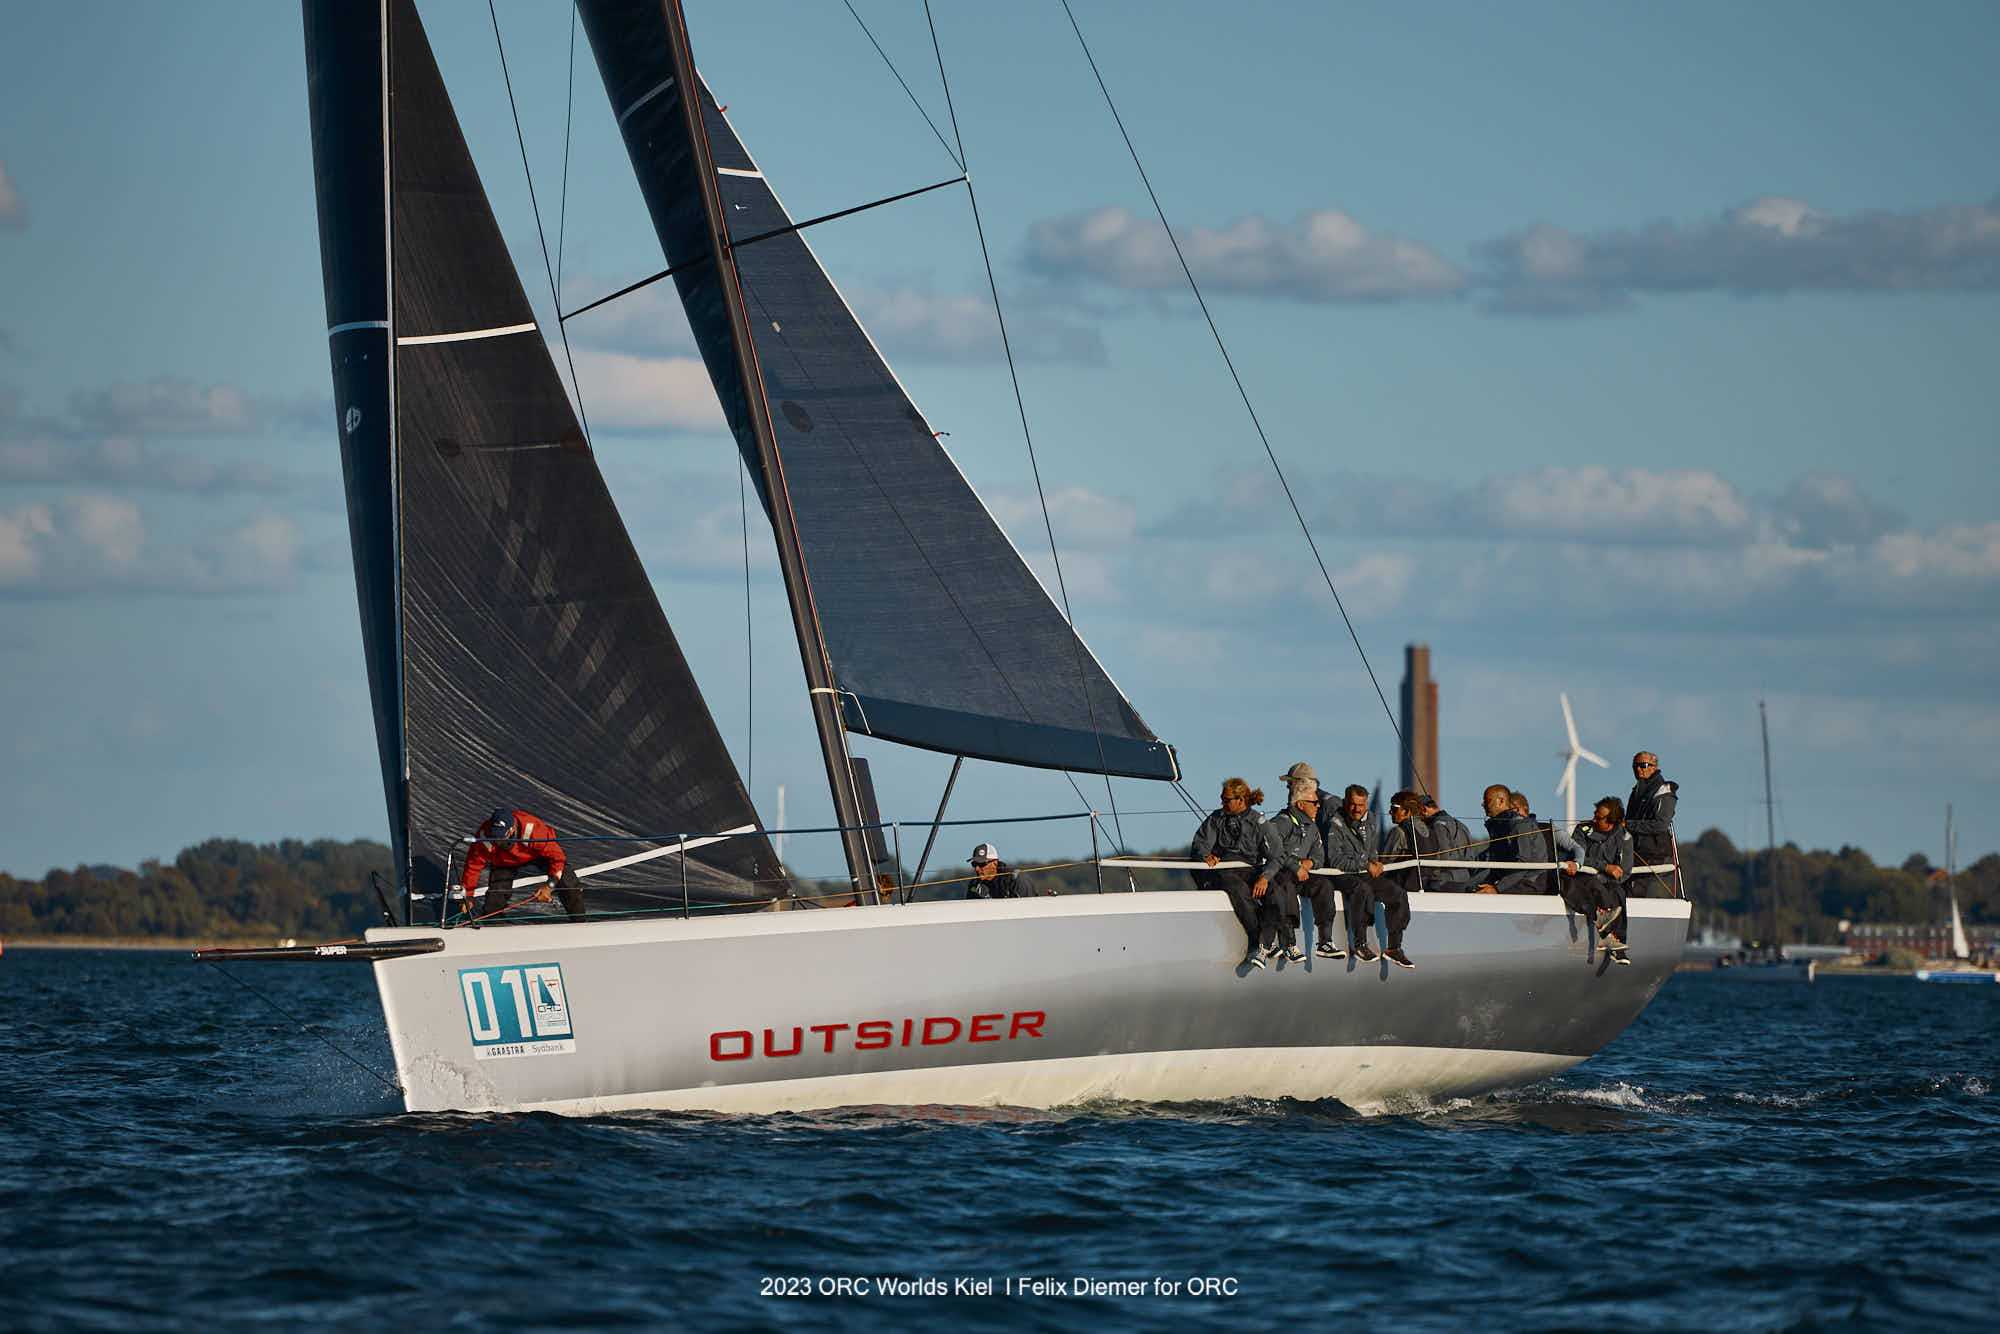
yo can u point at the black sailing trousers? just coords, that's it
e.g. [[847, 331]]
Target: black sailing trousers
[[1392, 894], [500, 888], [1236, 883], [1279, 914], [1321, 894]]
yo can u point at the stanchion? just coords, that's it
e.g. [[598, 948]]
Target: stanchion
[[686, 909]]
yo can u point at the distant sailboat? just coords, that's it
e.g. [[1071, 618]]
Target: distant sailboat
[[1766, 962], [1961, 968]]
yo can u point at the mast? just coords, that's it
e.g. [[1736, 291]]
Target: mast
[[1770, 825], [822, 693]]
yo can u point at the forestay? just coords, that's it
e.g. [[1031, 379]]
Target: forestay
[[939, 634]]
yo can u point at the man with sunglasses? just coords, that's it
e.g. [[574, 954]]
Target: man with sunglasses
[[1603, 845], [1649, 814]]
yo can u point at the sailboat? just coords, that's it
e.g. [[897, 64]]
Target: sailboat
[[1766, 962], [1960, 969], [514, 647]]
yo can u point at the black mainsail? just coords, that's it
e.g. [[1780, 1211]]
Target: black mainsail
[[938, 633], [517, 653]]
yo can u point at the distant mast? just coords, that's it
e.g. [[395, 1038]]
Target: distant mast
[[1770, 825]]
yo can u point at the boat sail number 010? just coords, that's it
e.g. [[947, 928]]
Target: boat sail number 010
[[520, 1010]]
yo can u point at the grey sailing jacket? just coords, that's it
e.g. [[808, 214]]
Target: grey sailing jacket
[[1237, 838], [1649, 814], [1290, 837], [1349, 847]]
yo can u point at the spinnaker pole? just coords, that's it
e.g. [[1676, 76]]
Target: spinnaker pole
[[823, 693]]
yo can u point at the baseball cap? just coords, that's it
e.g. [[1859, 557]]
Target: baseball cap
[[499, 820], [982, 854], [1299, 773]]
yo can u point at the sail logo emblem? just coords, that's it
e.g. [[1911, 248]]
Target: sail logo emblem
[[352, 419], [518, 1010]]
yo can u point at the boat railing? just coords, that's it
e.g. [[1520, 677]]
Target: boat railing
[[902, 890]]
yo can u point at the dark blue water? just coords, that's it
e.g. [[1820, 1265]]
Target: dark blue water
[[174, 1156]]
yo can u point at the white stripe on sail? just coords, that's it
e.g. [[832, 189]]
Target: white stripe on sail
[[467, 334], [352, 325], [738, 171], [644, 98]]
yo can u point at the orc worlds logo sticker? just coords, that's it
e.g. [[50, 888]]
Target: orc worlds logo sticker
[[875, 1035]]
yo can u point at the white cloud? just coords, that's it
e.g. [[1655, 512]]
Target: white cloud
[[13, 209], [100, 544], [1322, 256], [1634, 506], [124, 462], [916, 324], [1769, 245], [1083, 519], [22, 532], [165, 406], [626, 392], [650, 322]]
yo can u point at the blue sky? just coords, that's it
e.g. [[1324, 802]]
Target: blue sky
[[1641, 352]]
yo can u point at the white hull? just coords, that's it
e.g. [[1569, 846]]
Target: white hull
[[1033, 1003]]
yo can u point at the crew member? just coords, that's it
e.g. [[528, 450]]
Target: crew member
[[1546, 852], [1350, 841], [1234, 832], [1406, 838], [1291, 849], [1605, 846], [1511, 837], [1450, 840], [508, 841], [995, 879], [1649, 815]]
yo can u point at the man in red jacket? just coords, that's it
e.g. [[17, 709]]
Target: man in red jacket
[[508, 841]]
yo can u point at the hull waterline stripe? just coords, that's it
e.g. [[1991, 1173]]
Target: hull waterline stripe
[[648, 855], [465, 336], [352, 325], [644, 98]]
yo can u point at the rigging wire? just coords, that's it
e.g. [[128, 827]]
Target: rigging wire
[[562, 209], [541, 235], [749, 637], [1021, 407], [956, 159], [1402, 741], [300, 1025]]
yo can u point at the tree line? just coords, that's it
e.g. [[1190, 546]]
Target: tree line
[[227, 888]]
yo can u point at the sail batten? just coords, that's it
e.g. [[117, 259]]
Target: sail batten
[[939, 633], [532, 664]]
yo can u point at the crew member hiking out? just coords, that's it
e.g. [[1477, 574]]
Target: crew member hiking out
[[1510, 837], [1234, 832], [1407, 837], [1604, 845], [1451, 841], [1649, 814], [1350, 846], [1291, 850], [995, 879], [507, 842]]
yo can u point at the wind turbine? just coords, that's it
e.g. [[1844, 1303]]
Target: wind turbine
[[1566, 789]]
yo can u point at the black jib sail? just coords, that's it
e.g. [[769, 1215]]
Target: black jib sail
[[517, 654], [939, 634]]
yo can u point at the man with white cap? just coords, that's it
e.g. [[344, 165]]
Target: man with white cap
[[995, 879]]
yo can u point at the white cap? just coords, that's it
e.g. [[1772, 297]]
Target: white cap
[[985, 852]]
